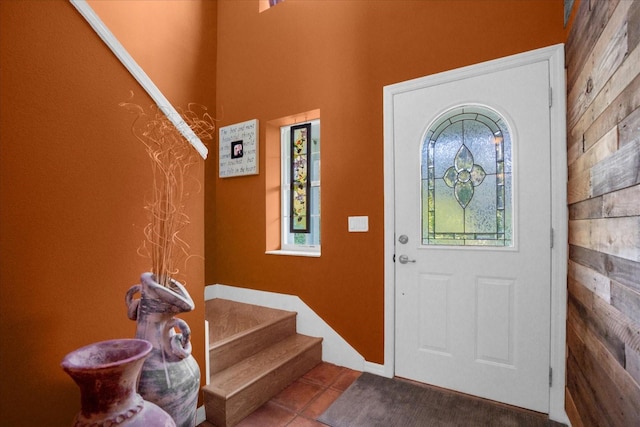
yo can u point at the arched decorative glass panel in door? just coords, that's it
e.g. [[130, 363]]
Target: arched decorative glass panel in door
[[466, 175]]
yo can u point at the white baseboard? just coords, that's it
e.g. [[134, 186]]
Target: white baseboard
[[375, 368], [200, 415], [207, 362], [334, 348]]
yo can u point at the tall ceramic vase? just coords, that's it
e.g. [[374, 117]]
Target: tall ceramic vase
[[106, 373], [170, 376]]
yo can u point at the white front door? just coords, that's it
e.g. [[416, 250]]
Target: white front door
[[473, 233]]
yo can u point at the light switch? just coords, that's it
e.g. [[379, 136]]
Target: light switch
[[358, 224]]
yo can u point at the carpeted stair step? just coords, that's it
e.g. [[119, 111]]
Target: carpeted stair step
[[238, 390], [240, 330]]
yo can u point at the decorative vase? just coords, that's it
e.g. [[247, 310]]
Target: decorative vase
[[170, 376], [106, 373]]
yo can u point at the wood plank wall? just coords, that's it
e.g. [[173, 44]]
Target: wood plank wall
[[603, 146]]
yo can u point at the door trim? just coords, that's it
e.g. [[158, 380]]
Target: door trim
[[555, 57]]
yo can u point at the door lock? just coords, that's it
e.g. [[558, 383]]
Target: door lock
[[403, 239], [405, 259]]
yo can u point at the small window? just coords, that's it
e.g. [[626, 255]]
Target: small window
[[301, 186], [267, 4]]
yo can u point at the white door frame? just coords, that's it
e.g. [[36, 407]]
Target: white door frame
[[555, 57]]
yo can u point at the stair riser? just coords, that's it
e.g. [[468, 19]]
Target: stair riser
[[225, 355], [230, 412]]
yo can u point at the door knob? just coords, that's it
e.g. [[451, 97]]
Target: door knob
[[405, 259]]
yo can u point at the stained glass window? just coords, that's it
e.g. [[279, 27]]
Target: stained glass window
[[301, 186], [466, 177], [300, 183]]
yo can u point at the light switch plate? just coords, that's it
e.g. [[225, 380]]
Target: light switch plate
[[358, 224]]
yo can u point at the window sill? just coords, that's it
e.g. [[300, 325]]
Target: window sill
[[294, 253]]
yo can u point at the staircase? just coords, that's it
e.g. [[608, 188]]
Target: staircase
[[254, 353]]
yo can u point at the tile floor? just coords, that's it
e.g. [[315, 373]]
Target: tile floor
[[300, 404]]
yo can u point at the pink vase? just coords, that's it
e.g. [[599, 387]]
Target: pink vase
[[170, 376], [107, 374]]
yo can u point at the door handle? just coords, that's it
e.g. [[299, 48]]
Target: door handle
[[405, 259]]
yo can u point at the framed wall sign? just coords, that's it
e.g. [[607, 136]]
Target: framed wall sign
[[238, 149]]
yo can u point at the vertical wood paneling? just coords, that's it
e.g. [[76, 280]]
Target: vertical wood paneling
[[616, 268], [618, 171], [622, 203], [629, 128], [590, 20], [614, 236], [608, 53], [626, 300], [572, 411], [585, 209], [603, 150], [616, 398], [617, 110], [595, 282], [585, 133], [632, 364]]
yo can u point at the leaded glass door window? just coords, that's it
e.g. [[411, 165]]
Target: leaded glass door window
[[466, 178]]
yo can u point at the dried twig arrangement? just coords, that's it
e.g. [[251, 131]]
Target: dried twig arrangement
[[171, 158]]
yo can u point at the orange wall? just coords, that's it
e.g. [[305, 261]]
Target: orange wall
[[174, 42], [337, 56], [73, 182]]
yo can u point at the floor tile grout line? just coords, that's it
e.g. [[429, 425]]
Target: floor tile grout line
[[301, 412], [321, 391], [316, 397], [324, 387]]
